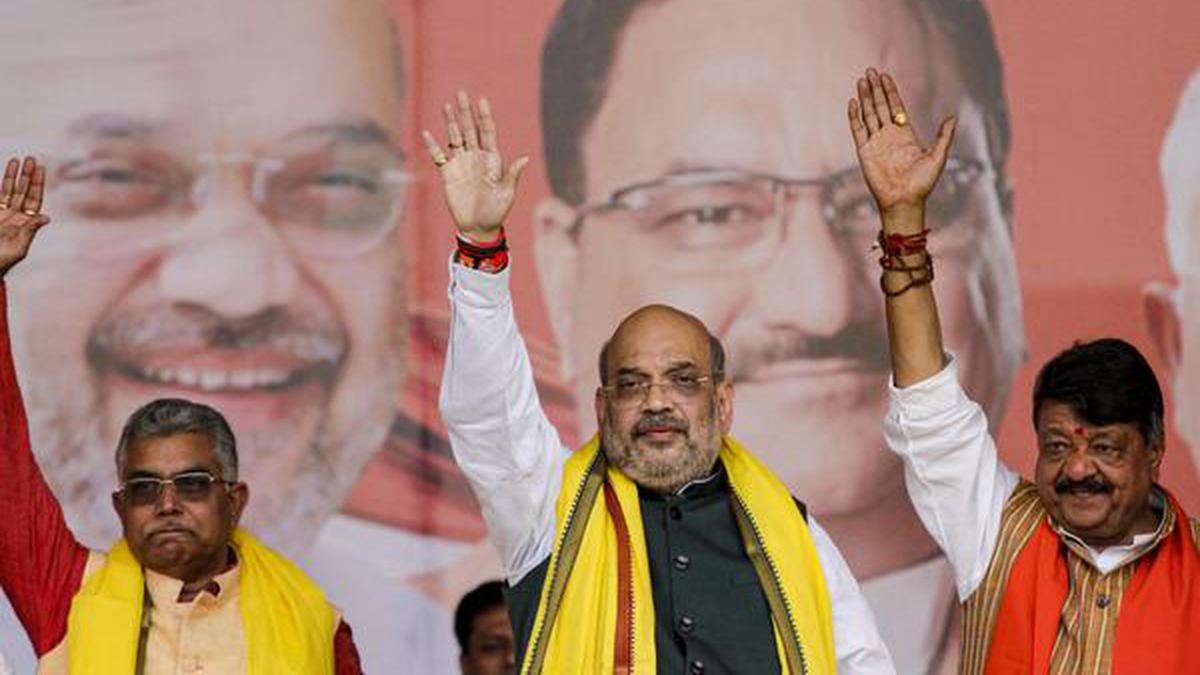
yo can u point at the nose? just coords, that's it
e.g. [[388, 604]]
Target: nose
[[656, 398], [810, 283], [168, 501], [1079, 465], [234, 262]]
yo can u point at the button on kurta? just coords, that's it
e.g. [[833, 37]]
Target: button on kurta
[[686, 624], [697, 667], [1103, 601], [682, 562]]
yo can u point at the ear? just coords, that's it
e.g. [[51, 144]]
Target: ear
[[1163, 322], [239, 496], [118, 506], [725, 405], [601, 409], [557, 257]]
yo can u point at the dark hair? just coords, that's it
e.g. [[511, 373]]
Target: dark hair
[[1105, 381], [581, 46], [716, 361], [170, 416], [483, 597]]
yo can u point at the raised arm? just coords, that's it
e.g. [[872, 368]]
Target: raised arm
[[41, 563], [952, 472], [498, 431], [900, 174]]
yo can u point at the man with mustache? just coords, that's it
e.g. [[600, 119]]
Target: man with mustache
[[661, 545], [232, 234], [730, 194], [1090, 568], [184, 589]]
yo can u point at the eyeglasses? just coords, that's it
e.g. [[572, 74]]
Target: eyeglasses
[[325, 200], [707, 219], [192, 486], [679, 387]]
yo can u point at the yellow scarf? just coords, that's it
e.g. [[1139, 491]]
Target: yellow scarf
[[596, 613], [289, 625]]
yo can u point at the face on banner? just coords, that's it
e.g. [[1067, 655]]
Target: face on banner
[[226, 195], [734, 193], [1173, 312]]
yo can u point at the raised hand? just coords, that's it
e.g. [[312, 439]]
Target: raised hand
[[479, 188], [20, 209], [899, 171]]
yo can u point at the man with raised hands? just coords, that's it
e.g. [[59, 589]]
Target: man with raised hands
[[184, 590], [662, 545], [1091, 567]]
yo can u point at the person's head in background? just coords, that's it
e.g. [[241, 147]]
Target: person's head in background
[[484, 632], [228, 190], [732, 192], [1173, 311]]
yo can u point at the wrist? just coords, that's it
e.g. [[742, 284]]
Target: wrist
[[906, 218], [489, 237], [485, 257]]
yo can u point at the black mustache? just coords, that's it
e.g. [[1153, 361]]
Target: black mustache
[[862, 341], [658, 421], [1090, 485]]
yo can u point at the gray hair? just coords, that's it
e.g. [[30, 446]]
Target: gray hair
[[1181, 174], [171, 416]]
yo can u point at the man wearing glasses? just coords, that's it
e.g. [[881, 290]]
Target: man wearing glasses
[[184, 589], [730, 193], [229, 190], [662, 545]]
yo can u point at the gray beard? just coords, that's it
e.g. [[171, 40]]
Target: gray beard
[[702, 446]]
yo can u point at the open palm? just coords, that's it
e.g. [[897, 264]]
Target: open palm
[[898, 170], [479, 188], [20, 209]]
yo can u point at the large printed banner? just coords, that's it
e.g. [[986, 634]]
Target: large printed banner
[[242, 215]]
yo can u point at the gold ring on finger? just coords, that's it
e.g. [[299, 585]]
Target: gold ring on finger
[[900, 118], [439, 162]]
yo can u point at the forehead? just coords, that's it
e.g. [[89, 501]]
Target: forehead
[[1059, 417], [760, 85], [166, 455], [219, 72], [657, 341], [491, 621]]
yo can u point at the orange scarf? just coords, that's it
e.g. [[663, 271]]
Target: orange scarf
[[1158, 630]]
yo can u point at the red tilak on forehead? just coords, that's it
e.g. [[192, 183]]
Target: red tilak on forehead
[[1080, 431]]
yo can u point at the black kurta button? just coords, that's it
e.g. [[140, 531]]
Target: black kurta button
[[682, 562], [686, 624], [697, 667], [675, 513], [1103, 601]]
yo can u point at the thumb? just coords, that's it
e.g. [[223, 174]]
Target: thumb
[[513, 173], [945, 136]]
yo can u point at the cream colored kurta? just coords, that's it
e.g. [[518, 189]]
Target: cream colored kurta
[[203, 636]]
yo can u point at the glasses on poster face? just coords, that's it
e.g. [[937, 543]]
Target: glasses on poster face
[[631, 390], [709, 219], [326, 200], [192, 486]]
